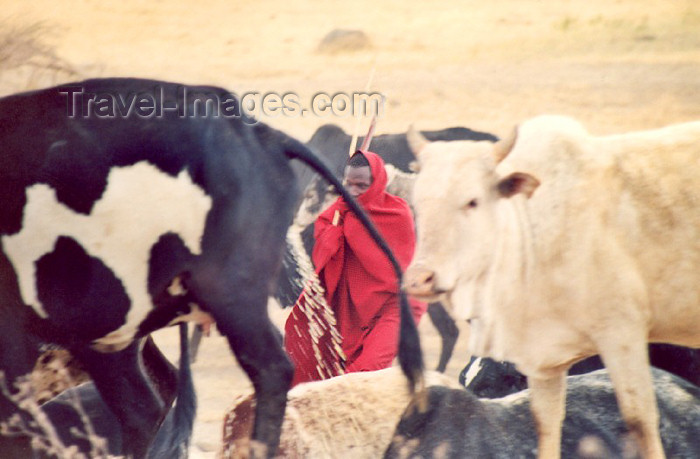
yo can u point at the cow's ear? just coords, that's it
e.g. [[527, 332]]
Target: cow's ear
[[416, 141], [518, 182], [505, 145]]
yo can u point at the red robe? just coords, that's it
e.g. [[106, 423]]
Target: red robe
[[360, 286]]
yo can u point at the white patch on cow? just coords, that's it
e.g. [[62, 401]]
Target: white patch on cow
[[140, 204], [474, 370], [196, 315], [176, 288]]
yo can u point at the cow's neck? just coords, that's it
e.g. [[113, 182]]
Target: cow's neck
[[499, 294]]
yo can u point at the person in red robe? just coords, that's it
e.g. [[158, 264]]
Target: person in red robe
[[359, 281]]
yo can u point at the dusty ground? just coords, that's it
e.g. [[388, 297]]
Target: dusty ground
[[616, 65]]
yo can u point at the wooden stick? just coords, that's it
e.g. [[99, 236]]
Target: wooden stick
[[370, 134], [353, 142]]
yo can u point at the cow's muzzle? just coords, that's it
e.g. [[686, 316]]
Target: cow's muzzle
[[420, 282]]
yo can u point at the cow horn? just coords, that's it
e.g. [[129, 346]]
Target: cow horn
[[504, 146], [416, 141]]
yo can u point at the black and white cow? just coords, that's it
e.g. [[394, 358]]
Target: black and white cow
[[332, 144], [488, 378], [458, 424], [128, 205]]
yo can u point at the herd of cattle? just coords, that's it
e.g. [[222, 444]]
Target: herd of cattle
[[554, 245]]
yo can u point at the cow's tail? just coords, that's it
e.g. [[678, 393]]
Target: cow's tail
[[410, 355], [173, 437]]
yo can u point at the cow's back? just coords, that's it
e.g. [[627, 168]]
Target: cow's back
[[657, 218]]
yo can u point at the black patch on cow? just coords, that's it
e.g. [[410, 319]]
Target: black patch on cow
[[169, 259], [79, 179], [79, 292], [494, 379], [11, 205], [678, 360]]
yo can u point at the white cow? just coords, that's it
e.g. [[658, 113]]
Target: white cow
[[556, 245]]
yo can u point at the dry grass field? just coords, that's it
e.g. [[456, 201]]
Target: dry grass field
[[616, 65]]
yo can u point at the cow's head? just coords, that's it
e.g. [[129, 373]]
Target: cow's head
[[459, 198], [318, 196]]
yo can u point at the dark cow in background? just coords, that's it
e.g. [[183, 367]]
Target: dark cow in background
[[55, 371], [66, 411], [128, 205], [458, 424], [332, 144], [488, 378]]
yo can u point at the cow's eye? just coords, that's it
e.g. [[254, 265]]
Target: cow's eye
[[471, 204]]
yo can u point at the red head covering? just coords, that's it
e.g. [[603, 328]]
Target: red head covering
[[357, 275]]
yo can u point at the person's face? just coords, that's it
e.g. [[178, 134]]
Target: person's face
[[357, 179]]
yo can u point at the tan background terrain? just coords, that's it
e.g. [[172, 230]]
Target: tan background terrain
[[615, 65]]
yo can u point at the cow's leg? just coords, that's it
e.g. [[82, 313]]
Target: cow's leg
[[445, 325], [261, 356], [547, 402], [241, 316], [627, 362], [17, 353], [235, 291], [126, 390], [242, 250], [196, 339], [16, 360]]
